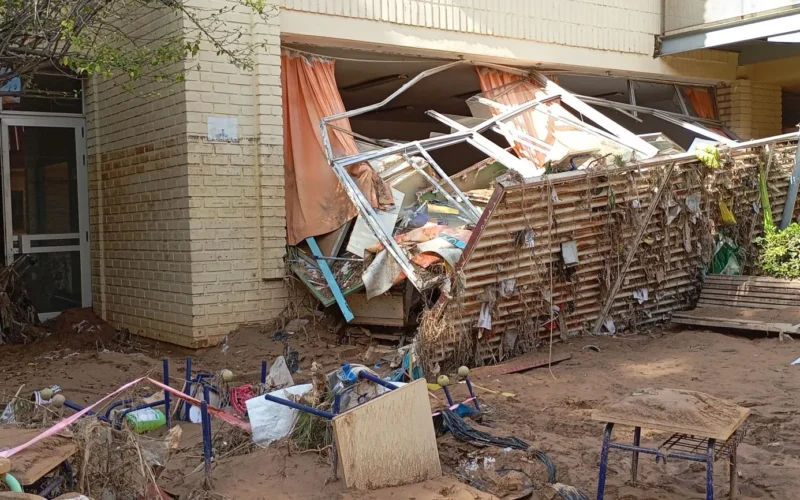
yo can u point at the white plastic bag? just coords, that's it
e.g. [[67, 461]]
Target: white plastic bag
[[272, 421]]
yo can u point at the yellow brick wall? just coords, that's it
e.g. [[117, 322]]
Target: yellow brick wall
[[236, 202], [139, 202], [188, 236], [751, 110], [614, 25]]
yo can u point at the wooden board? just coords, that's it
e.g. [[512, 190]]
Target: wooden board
[[388, 441], [749, 292], [678, 411], [29, 465], [520, 365], [753, 280], [786, 320], [385, 310]]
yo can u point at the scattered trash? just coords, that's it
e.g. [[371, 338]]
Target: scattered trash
[[484, 389], [18, 317], [485, 318], [295, 325], [640, 295], [609, 326], [692, 202], [569, 492], [280, 336], [590, 347], [463, 432], [279, 374], [796, 362], [292, 359], [272, 421]]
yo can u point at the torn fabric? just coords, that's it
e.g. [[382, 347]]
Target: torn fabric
[[542, 135], [703, 104], [316, 202], [426, 246]]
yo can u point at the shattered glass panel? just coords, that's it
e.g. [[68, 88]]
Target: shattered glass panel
[[549, 136]]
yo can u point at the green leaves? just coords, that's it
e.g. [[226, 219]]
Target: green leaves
[[110, 38], [780, 252], [709, 156]]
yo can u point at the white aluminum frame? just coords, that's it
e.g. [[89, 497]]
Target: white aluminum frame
[[50, 120]]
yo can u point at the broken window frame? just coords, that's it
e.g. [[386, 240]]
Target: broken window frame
[[691, 123], [566, 119], [470, 135]]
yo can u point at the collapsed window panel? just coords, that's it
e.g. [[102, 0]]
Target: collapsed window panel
[[440, 138]]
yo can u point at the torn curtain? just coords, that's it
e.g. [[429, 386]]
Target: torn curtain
[[316, 202], [702, 102], [512, 90]]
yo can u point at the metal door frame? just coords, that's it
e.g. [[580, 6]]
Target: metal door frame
[[78, 124]]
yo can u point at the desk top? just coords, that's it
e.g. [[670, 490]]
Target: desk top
[[677, 411], [32, 463]]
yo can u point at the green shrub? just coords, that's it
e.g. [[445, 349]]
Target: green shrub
[[780, 252]]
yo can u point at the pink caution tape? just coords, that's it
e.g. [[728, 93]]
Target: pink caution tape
[[217, 412]]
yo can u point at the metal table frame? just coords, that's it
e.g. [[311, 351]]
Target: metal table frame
[[668, 450]]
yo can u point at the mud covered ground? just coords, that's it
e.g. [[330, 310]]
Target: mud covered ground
[[550, 409]]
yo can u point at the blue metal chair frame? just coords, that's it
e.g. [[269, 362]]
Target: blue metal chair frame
[[708, 458]]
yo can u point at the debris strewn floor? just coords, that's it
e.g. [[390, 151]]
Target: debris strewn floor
[[551, 411]]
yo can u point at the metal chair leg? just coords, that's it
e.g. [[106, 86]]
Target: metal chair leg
[[637, 438], [734, 494], [710, 470], [601, 481]]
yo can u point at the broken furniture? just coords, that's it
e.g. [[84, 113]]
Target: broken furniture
[[704, 428], [755, 303], [388, 441], [389, 309], [30, 466]]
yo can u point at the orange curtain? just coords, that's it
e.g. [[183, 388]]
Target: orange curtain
[[702, 102], [497, 86], [316, 202]]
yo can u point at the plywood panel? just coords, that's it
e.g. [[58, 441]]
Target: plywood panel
[[675, 410], [388, 441], [34, 462]]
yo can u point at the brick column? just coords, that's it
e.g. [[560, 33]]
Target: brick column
[[751, 110], [237, 217]]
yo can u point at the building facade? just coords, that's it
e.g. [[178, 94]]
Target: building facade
[[181, 237]]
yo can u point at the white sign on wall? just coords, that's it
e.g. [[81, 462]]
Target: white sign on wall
[[223, 128]]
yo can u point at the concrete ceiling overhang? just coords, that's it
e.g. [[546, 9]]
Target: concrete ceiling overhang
[[753, 38]]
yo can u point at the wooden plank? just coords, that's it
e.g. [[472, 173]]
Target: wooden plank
[[754, 326], [749, 298], [755, 280], [386, 310], [29, 465], [675, 410], [388, 441], [331, 243], [742, 304], [751, 291], [341, 301], [520, 365], [731, 301], [781, 320]]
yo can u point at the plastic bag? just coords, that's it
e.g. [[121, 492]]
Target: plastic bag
[[726, 214], [726, 258]]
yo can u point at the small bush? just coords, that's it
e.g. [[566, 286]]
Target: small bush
[[780, 252]]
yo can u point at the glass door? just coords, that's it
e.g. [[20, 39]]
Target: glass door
[[45, 209]]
